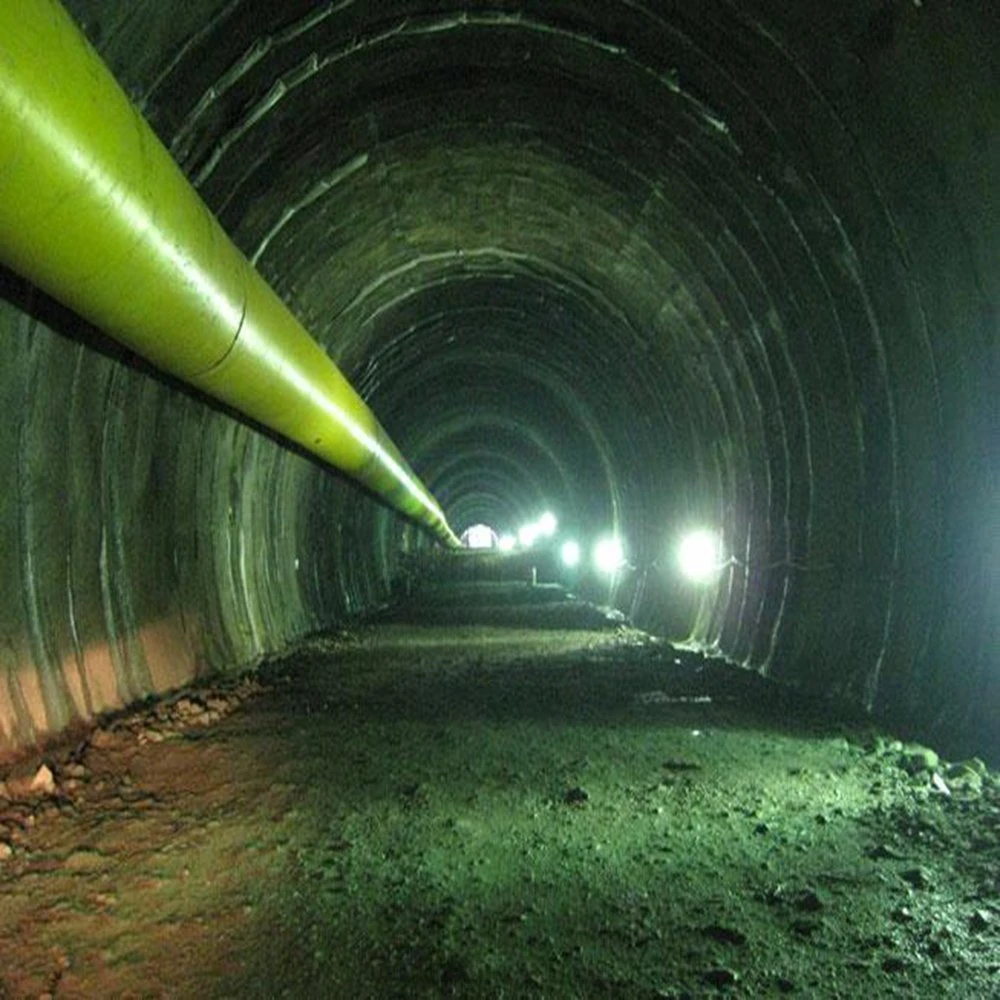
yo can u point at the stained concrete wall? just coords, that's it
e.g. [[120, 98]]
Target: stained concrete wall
[[649, 264], [147, 539]]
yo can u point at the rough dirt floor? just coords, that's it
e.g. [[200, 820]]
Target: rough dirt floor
[[495, 812]]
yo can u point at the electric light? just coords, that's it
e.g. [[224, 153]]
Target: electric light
[[608, 555], [506, 543], [699, 555], [570, 553], [547, 524]]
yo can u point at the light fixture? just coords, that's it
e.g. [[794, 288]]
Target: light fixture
[[506, 543], [547, 524], [570, 553], [608, 555], [699, 555]]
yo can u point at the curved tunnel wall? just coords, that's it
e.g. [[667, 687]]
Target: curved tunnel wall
[[653, 264]]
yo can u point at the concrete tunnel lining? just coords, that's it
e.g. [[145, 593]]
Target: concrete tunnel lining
[[728, 265]]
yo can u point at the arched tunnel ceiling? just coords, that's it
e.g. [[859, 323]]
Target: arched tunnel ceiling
[[656, 264]]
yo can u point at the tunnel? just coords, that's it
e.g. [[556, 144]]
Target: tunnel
[[652, 266]]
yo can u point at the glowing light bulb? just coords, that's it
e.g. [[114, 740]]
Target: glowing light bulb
[[700, 555], [570, 553], [609, 556]]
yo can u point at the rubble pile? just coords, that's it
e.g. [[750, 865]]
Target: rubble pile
[[61, 779]]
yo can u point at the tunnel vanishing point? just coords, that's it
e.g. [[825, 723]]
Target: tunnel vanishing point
[[653, 265]]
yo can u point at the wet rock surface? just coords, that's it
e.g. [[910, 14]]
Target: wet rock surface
[[481, 812]]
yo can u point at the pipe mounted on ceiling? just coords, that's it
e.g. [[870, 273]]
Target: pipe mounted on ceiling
[[94, 211]]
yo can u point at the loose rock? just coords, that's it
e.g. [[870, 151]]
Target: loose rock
[[918, 877], [724, 935], [103, 739], [883, 852], [939, 784], [43, 782], [679, 764], [720, 977], [966, 778], [808, 901], [918, 759], [84, 861]]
